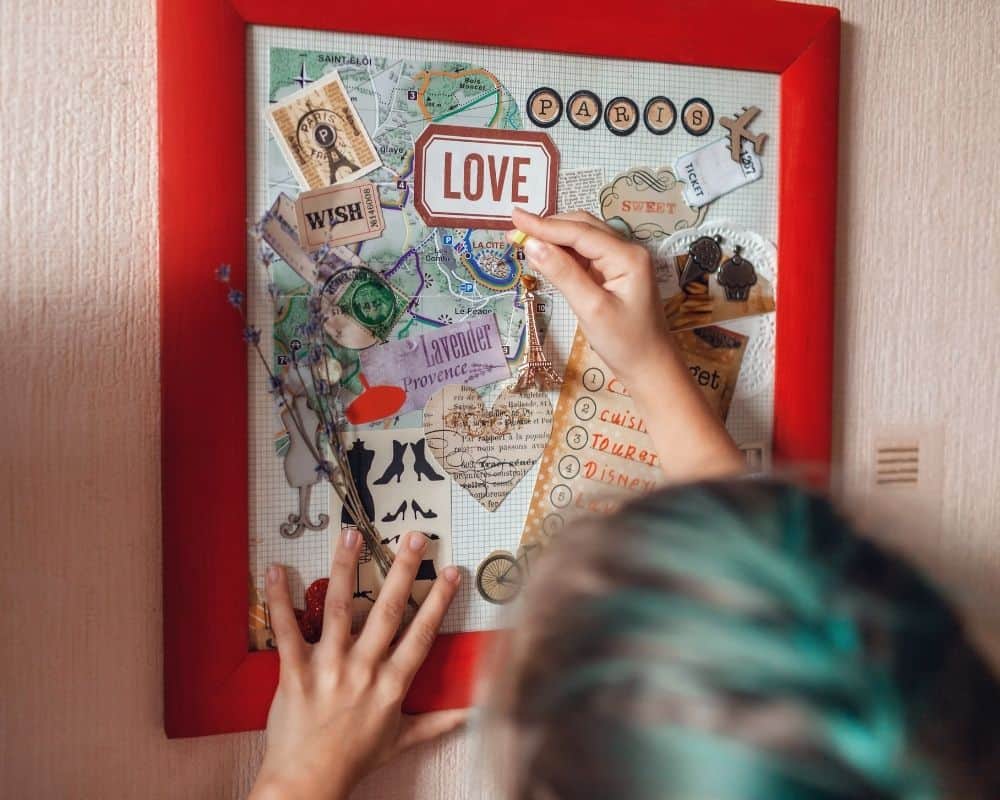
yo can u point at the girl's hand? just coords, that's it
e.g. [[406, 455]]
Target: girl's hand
[[337, 712], [608, 282], [610, 285]]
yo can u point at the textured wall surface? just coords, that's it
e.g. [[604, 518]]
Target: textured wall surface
[[80, 708]]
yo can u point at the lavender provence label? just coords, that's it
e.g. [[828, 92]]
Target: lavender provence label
[[468, 353]]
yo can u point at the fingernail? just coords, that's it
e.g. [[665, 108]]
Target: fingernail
[[534, 249], [273, 573], [416, 542], [451, 574], [350, 537]]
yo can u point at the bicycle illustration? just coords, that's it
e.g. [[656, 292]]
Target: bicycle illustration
[[501, 575]]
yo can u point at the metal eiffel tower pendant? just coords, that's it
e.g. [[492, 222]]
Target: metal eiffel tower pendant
[[535, 371]]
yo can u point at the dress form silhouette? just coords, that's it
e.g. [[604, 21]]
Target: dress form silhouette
[[360, 459]]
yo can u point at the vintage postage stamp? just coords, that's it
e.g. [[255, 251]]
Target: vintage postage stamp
[[347, 212], [366, 298], [321, 135], [469, 353]]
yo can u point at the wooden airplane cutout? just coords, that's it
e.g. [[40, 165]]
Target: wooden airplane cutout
[[738, 132]]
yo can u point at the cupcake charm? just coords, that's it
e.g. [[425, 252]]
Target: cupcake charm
[[736, 276], [704, 256]]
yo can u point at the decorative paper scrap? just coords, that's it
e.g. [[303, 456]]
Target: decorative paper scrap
[[279, 229], [469, 353], [260, 633], [473, 177], [599, 453], [402, 490], [321, 135], [704, 300], [650, 202], [578, 190], [710, 172], [348, 212], [713, 356], [487, 451]]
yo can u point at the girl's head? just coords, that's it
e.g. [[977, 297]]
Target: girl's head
[[728, 642]]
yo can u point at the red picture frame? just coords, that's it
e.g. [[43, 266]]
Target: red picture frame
[[212, 683]]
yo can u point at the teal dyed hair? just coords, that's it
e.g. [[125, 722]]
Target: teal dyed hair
[[723, 641]]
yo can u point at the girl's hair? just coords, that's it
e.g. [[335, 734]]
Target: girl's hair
[[736, 641]]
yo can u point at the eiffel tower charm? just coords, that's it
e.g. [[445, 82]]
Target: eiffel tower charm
[[535, 371]]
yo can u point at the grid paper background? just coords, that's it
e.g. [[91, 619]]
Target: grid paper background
[[477, 532]]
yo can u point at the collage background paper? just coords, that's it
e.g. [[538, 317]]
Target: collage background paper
[[476, 531]]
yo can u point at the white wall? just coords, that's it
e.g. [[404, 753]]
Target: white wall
[[917, 295]]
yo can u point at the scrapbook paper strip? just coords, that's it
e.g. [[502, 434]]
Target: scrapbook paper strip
[[579, 188], [599, 453]]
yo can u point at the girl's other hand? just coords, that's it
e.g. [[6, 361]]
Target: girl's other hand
[[337, 713], [608, 282]]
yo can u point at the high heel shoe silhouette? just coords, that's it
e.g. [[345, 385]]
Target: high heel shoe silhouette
[[395, 468], [429, 514], [394, 516], [420, 464]]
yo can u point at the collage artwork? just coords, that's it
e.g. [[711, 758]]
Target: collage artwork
[[394, 312]]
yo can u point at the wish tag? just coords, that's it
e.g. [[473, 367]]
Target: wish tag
[[468, 353], [710, 172], [487, 451], [348, 212]]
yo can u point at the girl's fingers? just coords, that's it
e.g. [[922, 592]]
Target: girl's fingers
[[387, 613], [420, 728], [340, 591], [588, 240], [567, 274], [419, 636], [288, 637]]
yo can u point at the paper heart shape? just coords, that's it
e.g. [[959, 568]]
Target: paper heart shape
[[487, 451]]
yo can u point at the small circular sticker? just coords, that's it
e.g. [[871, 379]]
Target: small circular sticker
[[584, 109], [593, 379], [576, 437], [569, 467], [621, 116], [560, 495], [585, 408], [660, 115], [544, 107], [697, 116], [552, 524]]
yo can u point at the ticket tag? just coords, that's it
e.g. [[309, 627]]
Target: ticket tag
[[347, 212], [710, 172]]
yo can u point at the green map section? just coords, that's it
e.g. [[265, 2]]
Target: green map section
[[448, 274]]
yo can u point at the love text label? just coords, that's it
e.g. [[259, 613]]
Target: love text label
[[473, 177]]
